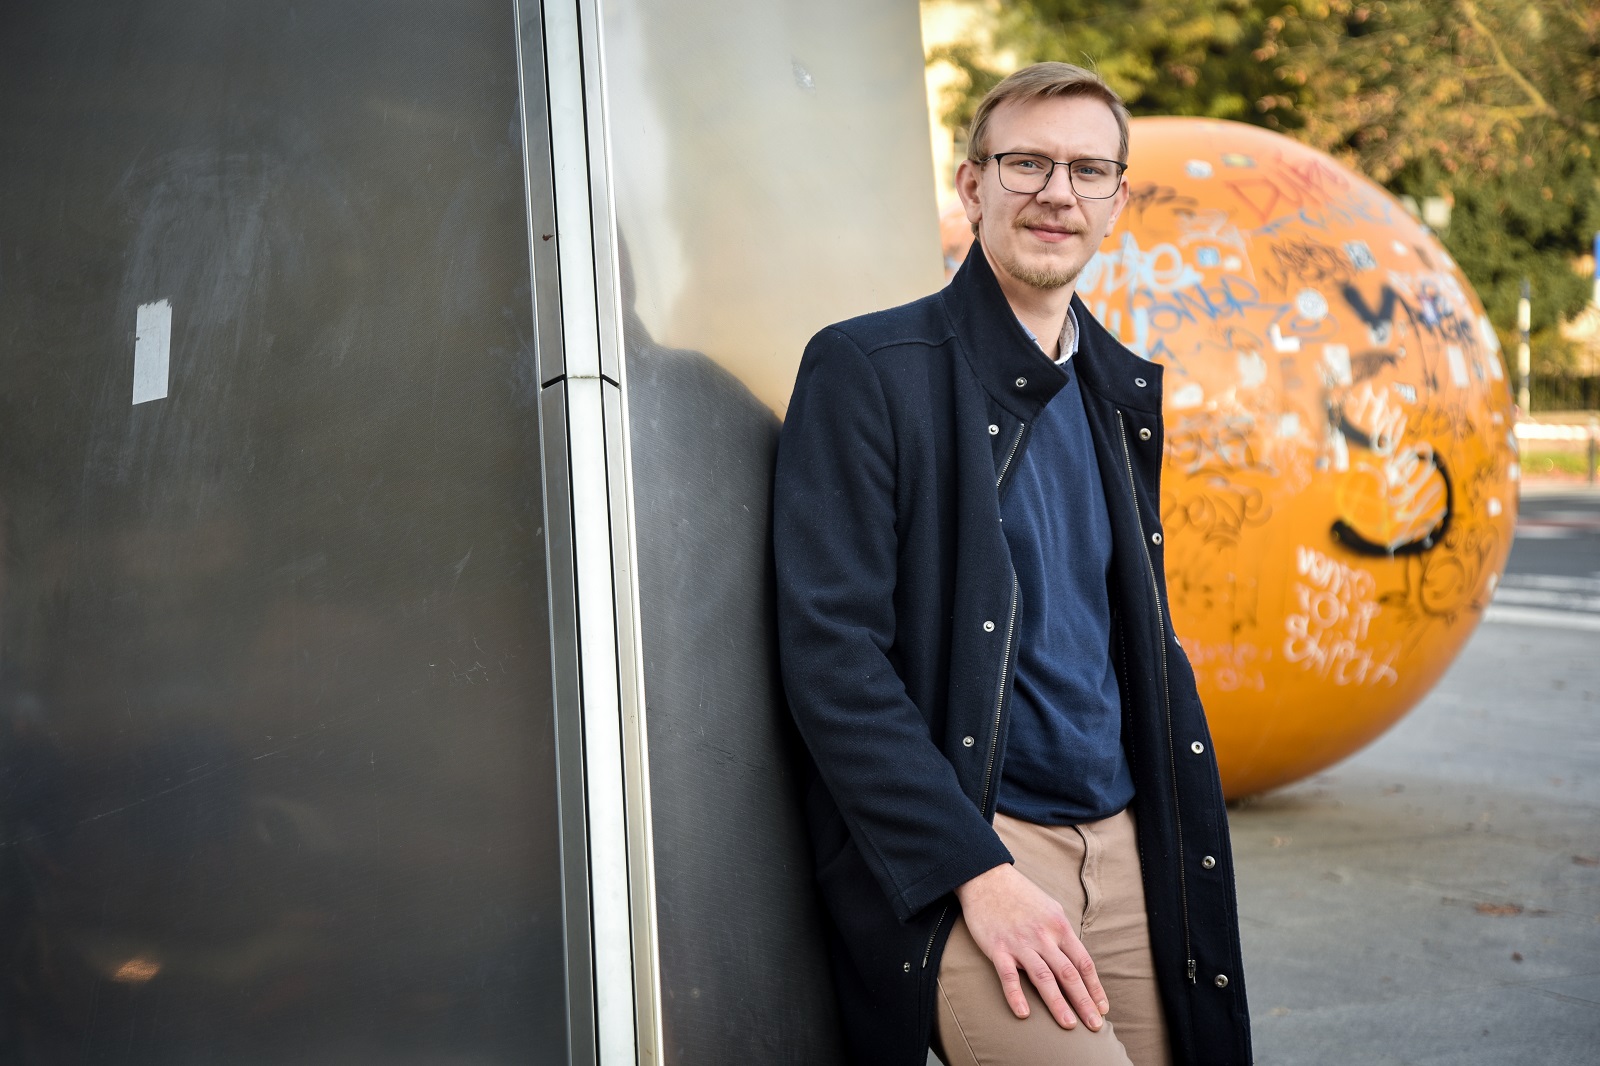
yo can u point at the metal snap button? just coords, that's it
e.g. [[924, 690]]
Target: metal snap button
[[994, 431], [1139, 382], [1155, 538], [988, 627], [1221, 980], [1022, 383], [967, 742], [1207, 863], [907, 968], [1197, 747], [1144, 434]]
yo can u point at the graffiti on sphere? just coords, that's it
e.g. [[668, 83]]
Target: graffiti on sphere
[[1340, 480]]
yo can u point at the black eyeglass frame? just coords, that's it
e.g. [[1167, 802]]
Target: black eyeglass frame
[[1122, 169]]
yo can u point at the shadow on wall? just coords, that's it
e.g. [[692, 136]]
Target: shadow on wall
[[743, 973]]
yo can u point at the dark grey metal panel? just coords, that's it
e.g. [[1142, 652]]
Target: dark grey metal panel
[[276, 757], [772, 174]]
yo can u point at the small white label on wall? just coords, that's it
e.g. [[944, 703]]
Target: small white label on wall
[[152, 350]]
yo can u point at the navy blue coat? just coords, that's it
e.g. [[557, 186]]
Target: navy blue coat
[[891, 567]]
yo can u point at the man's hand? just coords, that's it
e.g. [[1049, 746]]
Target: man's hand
[[1023, 930]]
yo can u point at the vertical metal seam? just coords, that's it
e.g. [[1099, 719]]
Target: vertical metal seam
[[630, 664], [581, 1036], [616, 824], [595, 530], [625, 559], [567, 688], [592, 775], [602, 194]]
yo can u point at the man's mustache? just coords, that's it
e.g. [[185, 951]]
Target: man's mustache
[[1031, 221]]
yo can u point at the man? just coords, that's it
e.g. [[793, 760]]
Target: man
[[1015, 812]]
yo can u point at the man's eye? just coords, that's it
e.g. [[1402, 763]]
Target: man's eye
[[1025, 163], [1090, 170]]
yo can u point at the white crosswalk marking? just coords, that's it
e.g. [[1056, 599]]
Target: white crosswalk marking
[[1572, 601], [1547, 600], [1538, 616], [1551, 581]]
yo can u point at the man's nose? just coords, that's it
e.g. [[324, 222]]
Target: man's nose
[[1058, 187]]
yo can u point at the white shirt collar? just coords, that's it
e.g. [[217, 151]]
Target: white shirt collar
[[1069, 336]]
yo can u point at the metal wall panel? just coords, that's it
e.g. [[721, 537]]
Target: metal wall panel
[[771, 172], [277, 777]]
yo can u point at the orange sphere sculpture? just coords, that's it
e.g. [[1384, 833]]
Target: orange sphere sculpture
[[1341, 482]]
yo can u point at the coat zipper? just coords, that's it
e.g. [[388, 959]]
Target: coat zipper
[[1000, 696], [1000, 693], [1016, 442], [1166, 699], [927, 952], [1011, 632]]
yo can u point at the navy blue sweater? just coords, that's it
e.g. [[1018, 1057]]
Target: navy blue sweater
[[1064, 761]]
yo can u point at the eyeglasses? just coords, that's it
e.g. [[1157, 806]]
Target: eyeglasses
[[1027, 173]]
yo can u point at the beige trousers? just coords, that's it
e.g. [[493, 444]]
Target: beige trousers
[[1093, 872]]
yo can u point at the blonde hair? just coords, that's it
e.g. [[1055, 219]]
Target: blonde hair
[[1040, 81]]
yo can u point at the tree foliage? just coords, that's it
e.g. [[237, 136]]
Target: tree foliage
[[1492, 104]]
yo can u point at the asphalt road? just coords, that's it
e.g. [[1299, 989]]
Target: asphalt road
[[1558, 532], [1435, 899]]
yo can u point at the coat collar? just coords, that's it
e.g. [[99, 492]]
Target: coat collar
[[1000, 353]]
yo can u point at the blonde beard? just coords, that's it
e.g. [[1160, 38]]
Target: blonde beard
[[1044, 279], [1048, 280]]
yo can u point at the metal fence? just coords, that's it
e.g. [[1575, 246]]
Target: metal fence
[[1564, 392]]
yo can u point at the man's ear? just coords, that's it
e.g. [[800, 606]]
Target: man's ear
[[1119, 202], [969, 182]]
